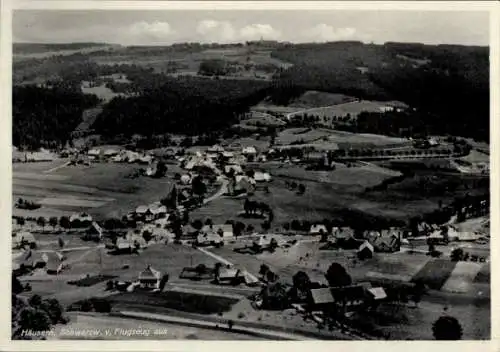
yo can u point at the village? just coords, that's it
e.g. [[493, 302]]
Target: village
[[232, 254]]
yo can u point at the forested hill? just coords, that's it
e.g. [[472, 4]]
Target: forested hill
[[190, 106], [450, 82], [42, 114]]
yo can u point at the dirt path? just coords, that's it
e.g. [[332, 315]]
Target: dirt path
[[219, 193], [223, 260], [56, 168]]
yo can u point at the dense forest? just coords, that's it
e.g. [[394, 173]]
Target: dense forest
[[41, 114], [189, 105], [449, 83]]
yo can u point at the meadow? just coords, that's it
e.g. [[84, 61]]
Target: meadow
[[101, 189]]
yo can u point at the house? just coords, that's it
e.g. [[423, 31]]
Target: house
[[320, 299], [241, 184], [216, 149], [225, 230], [377, 293], [123, 245], [388, 241], [344, 237], [250, 150], [149, 278], [365, 251], [209, 239], [110, 153], [52, 261], [157, 210], [189, 231], [94, 232], [94, 153], [318, 229], [143, 213], [230, 275], [261, 177], [22, 239], [349, 298]]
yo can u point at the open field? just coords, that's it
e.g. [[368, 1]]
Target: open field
[[313, 98], [94, 189], [353, 109], [327, 192], [168, 259], [102, 92], [340, 139]]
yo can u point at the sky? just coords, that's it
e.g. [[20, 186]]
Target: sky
[[164, 27]]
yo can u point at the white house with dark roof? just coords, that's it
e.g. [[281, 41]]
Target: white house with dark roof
[[149, 278], [224, 230], [317, 229]]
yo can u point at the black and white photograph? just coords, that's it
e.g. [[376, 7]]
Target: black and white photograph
[[250, 174]]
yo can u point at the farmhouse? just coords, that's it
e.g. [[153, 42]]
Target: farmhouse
[[94, 153], [346, 299], [230, 275], [22, 239], [110, 153], [388, 241], [241, 184], [157, 210], [207, 239], [52, 261], [249, 151], [149, 278], [318, 229], [225, 230], [261, 177], [143, 213], [216, 149]]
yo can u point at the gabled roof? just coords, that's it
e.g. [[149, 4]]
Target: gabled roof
[[366, 245], [149, 273], [229, 273], [262, 176], [141, 209], [249, 150], [355, 292], [377, 293], [322, 295], [317, 228]]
